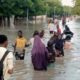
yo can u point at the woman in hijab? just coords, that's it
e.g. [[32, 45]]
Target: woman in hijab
[[68, 33], [39, 54], [32, 39]]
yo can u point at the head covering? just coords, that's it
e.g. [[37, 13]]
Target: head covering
[[35, 33], [42, 34], [67, 28]]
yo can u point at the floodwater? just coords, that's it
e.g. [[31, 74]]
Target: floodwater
[[66, 68]]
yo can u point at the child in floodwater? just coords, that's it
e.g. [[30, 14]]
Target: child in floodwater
[[20, 44]]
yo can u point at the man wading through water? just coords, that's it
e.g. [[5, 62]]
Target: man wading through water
[[20, 45], [6, 59]]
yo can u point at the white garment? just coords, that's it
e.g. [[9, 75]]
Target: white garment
[[55, 28], [52, 27], [8, 62], [56, 21], [32, 41]]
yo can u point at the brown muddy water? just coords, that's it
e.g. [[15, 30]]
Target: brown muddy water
[[66, 68]]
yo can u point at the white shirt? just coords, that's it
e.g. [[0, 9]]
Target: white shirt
[[55, 28], [8, 62], [32, 41], [52, 27]]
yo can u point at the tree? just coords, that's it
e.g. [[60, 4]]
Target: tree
[[14, 7], [38, 7], [35, 7], [54, 5], [67, 10], [76, 9]]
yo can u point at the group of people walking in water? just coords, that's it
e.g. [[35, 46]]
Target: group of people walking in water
[[42, 55]]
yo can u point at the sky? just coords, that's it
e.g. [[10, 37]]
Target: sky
[[67, 2]]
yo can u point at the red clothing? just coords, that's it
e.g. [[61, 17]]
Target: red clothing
[[59, 30]]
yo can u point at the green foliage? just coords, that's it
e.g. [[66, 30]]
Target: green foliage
[[67, 10], [14, 7], [76, 9], [54, 5], [38, 7], [35, 7]]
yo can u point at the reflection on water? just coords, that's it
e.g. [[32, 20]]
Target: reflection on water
[[67, 68]]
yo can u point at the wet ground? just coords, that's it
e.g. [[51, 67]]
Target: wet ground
[[66, 68]]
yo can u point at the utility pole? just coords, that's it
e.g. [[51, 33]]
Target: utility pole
[[46, 15], [27, 17], [54, 11], [2, 22]]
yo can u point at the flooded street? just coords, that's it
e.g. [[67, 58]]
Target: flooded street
[[66, 68]]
